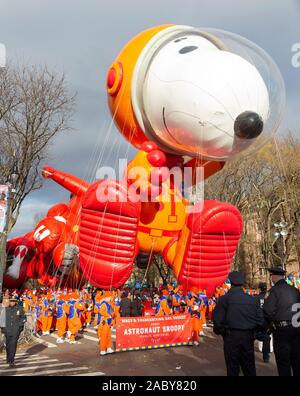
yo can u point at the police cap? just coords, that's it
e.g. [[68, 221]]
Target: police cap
[[237, 278], [276, 271]]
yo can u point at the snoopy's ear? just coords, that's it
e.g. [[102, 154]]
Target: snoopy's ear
[[114, 78]]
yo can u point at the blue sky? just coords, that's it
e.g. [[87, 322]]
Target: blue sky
[[82, 38]]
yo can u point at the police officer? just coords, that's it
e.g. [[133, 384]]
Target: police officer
[[279, 308], [136, 306], [125, 305], [263, 335], [14, 323], [236, 317]]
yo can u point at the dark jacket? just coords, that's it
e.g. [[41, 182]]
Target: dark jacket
[[279, 302], [125, 306], [15, 319], [136, 307], [237, 310]]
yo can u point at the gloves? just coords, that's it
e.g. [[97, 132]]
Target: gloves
[[219, 330]]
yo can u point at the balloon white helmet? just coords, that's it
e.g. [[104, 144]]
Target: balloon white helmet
[[206, 93]]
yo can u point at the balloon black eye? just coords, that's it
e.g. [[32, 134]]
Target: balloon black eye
[[185, 50], [248, 125]]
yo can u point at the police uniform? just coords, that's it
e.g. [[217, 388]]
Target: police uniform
[[14, 323], [236, 317], [278, 310]]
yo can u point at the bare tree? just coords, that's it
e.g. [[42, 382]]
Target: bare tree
[[35, 105], [163, 269]]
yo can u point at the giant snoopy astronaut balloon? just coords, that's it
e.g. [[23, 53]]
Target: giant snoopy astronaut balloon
[[187, 99]]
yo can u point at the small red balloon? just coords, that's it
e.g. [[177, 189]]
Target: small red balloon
[[156, 158], [148, 146]]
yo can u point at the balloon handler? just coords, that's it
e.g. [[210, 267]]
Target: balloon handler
[[197, 327], [61, 321], [46, 314], [104, 327], [163, 308], [189, 100], [75, 306]]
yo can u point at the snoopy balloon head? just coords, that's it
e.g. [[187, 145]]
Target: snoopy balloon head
[[196, 92]]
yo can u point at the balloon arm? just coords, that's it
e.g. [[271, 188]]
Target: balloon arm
[[13, 243], [24, 240], [69, 182]]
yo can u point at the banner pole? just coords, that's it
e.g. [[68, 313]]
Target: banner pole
[[3, 237]]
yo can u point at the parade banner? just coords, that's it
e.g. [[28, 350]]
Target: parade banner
[[152, 332], [3, 206]]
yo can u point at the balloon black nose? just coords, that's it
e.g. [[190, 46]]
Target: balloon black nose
[[248, 125]]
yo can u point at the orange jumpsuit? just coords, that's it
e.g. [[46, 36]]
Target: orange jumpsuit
[[46, 316], [98, 298], [28, 304], [116, 305], [88, 310], [37, 310], [195, 312], [61, 321], [176, 302], [202, 310], [104, 328], [74, 323], [163, 308]]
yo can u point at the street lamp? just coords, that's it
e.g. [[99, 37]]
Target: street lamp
[[281, 231], [13, 181]]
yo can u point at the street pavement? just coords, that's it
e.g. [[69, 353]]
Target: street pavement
[[46, 358]]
